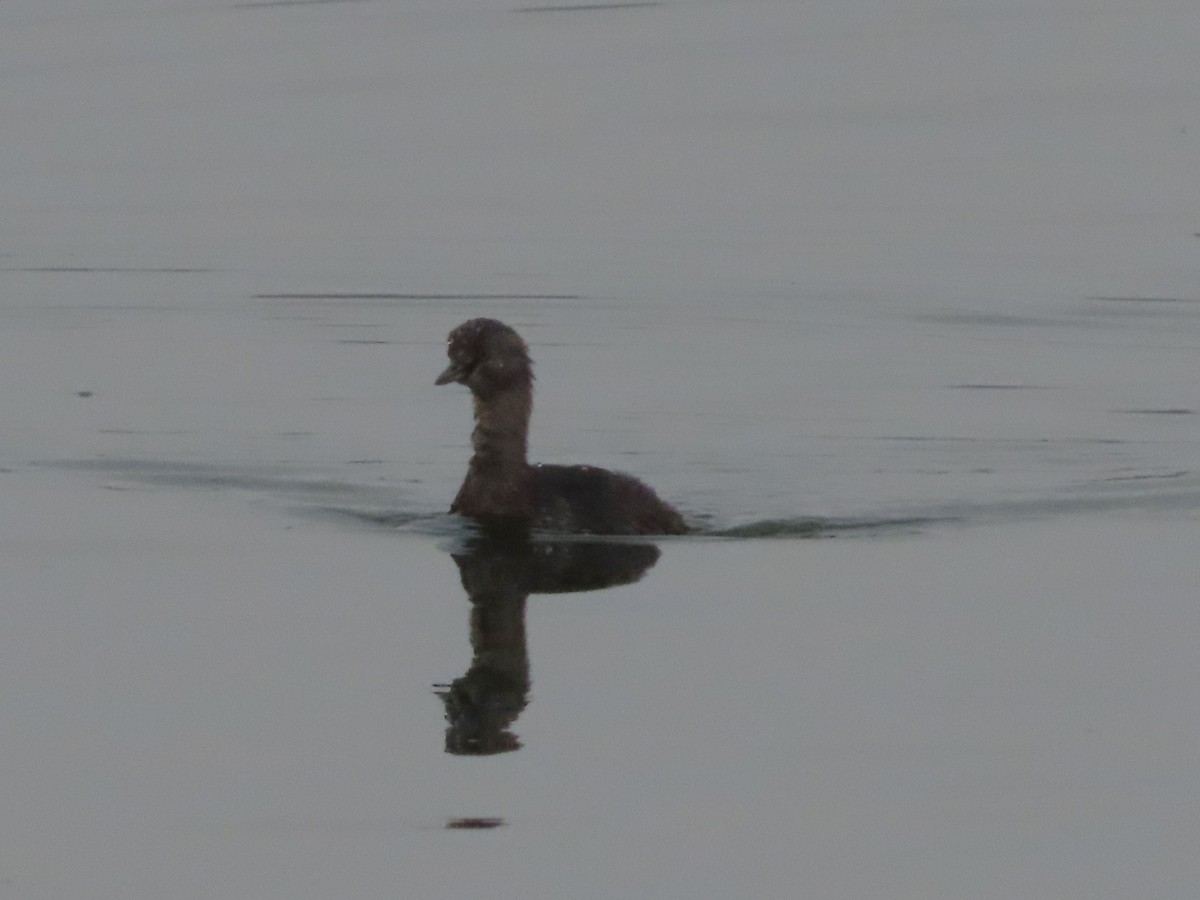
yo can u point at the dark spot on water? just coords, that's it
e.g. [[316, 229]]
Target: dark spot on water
[[475, 823], [84, 394]]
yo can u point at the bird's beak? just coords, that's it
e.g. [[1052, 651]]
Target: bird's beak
[[452, 373]]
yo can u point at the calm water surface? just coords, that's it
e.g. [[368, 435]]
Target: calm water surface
[[898, 306]]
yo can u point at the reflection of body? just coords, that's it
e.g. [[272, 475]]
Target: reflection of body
[[501, 486], [497, 576]]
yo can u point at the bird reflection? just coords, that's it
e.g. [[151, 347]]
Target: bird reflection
[[498, 574]]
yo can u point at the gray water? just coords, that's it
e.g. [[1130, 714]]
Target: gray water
[[898, 305]]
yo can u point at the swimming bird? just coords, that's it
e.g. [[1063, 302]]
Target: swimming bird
[[502, 488]]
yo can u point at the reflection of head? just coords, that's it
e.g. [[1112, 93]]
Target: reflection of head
[[498, 575], [480, 707]]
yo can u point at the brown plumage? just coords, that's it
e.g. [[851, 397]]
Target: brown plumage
[[501, 487]]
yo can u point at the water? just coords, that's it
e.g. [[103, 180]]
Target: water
[[790, 407], [898, 306]]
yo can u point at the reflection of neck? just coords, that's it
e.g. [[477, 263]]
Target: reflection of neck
[[501, 429], [498, 641], [483, 704]]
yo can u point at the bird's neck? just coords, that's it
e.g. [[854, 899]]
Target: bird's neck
[[501, 432]]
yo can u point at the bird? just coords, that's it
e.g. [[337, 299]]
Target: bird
[[502, 490]]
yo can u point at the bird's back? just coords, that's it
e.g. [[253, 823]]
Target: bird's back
[[597, 501]]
